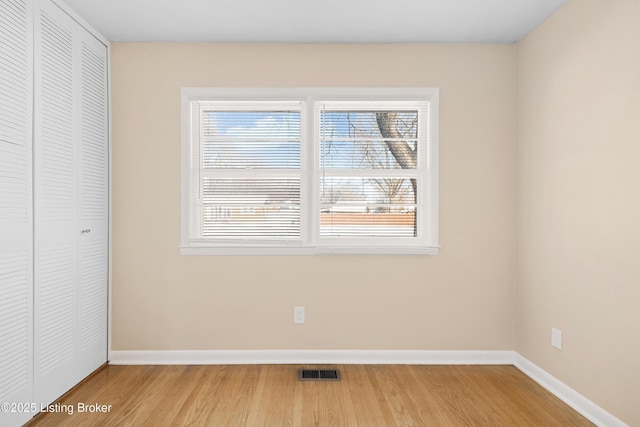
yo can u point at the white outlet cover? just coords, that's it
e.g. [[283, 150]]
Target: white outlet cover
[[556, 338], [298, 315]]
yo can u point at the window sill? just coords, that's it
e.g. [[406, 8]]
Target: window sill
[[305, 250]]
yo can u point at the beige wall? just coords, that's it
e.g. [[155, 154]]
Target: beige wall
[[578, 200], [459, 300], [567, 193]]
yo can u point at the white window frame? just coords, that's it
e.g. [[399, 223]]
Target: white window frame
[[427, 241]]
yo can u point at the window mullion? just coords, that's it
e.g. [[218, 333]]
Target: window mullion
[[311, 183]]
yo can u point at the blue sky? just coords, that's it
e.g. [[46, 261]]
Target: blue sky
[[271, 139]]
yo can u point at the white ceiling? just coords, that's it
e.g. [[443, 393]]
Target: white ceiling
[[316, 21]]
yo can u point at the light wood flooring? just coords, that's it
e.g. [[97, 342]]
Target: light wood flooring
[[271, 395]]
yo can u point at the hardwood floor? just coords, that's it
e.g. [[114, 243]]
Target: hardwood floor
[[271, 395]]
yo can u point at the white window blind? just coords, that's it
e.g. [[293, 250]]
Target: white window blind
[[306, 171], [247, 179], [371, 174]]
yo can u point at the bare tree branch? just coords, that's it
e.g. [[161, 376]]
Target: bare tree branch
[[404, 154]]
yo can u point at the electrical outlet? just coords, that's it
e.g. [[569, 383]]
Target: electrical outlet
[[298, 314], [556, 338]]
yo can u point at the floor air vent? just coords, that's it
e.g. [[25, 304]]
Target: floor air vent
[[319, 375]]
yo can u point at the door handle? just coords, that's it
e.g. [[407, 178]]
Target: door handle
[[86, 231]]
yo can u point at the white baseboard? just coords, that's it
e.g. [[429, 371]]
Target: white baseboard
[[581, 404], [297, 357]]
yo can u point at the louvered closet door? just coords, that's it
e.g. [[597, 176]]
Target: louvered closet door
[[93, 206], [71, 205], [56, 229], [16, 285]]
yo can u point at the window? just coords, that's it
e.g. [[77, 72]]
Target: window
[[305, 171]]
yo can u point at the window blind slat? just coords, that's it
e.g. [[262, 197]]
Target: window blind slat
[[251, 191], [249, 205], [250, 139], [361, 137], [352, 221], [256, 222], [366, 190]]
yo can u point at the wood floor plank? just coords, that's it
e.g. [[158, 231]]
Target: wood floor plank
[[219, 396], [369, 402], [272, 404], [272, 395], [204, 398], [147, 407], [439, 389], [326, 403], [397, 391]]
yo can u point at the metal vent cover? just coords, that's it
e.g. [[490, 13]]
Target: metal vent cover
[[319, 375]]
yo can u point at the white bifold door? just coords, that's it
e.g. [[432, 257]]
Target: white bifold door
[[54, 205], [16, 238], [71, 185]]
